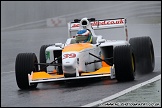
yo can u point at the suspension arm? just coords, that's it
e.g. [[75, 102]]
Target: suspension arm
[[50, 64], [102, 59]]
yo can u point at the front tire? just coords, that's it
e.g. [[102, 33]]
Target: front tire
[[124, 63], [25, 64]]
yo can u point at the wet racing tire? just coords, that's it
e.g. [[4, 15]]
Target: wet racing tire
[[42, 57], [24, 65], [144, 54], [124, 63]]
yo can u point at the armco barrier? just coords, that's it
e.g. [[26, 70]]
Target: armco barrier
[[31, 25]]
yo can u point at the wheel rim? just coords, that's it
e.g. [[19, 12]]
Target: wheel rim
[[133, 67], [152, 55]]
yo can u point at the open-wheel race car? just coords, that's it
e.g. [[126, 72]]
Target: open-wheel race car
[[117, 59]]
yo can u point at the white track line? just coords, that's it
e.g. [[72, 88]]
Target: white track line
[[122, 92]]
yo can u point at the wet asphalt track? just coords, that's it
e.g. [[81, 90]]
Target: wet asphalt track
[[56, 94], [59, 94]]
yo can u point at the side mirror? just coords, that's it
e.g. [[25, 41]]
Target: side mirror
[[101, 41], [58, 45]]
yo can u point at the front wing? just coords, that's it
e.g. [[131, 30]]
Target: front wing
[[41, 77]]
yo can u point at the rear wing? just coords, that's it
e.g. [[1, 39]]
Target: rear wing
[[100, 24]]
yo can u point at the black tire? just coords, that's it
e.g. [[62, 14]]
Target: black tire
[[144, 54], [124, 63], [25, 64], [42, 57]]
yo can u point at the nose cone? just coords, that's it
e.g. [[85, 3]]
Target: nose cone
[[69, 62]]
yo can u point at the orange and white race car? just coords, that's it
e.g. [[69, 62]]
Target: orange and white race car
[[117, 59]]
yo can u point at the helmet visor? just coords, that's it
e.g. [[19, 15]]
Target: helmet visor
[[81, 38]]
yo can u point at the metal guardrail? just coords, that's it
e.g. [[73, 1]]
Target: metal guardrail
[[31, 25]]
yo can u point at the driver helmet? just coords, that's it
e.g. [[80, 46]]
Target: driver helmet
[[83, 35]]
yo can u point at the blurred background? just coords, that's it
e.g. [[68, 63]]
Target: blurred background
[[20, 12]]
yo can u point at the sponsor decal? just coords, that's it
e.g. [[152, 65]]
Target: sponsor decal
[[55, 22], [75, 25], [96, 23], [99, 23], [71, 55], [47, 55]]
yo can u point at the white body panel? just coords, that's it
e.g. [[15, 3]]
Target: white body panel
[[114, 43], [50, 50], [69, 64]]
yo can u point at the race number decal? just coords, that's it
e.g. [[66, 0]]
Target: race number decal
[[71, 55]]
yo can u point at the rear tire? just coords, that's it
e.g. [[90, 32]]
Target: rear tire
[[25, 64], [42, 57], [144, 53], [124, 63]]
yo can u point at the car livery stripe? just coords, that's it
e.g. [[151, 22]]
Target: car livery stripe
[[44, 75], [77, 47], [103, 70]]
